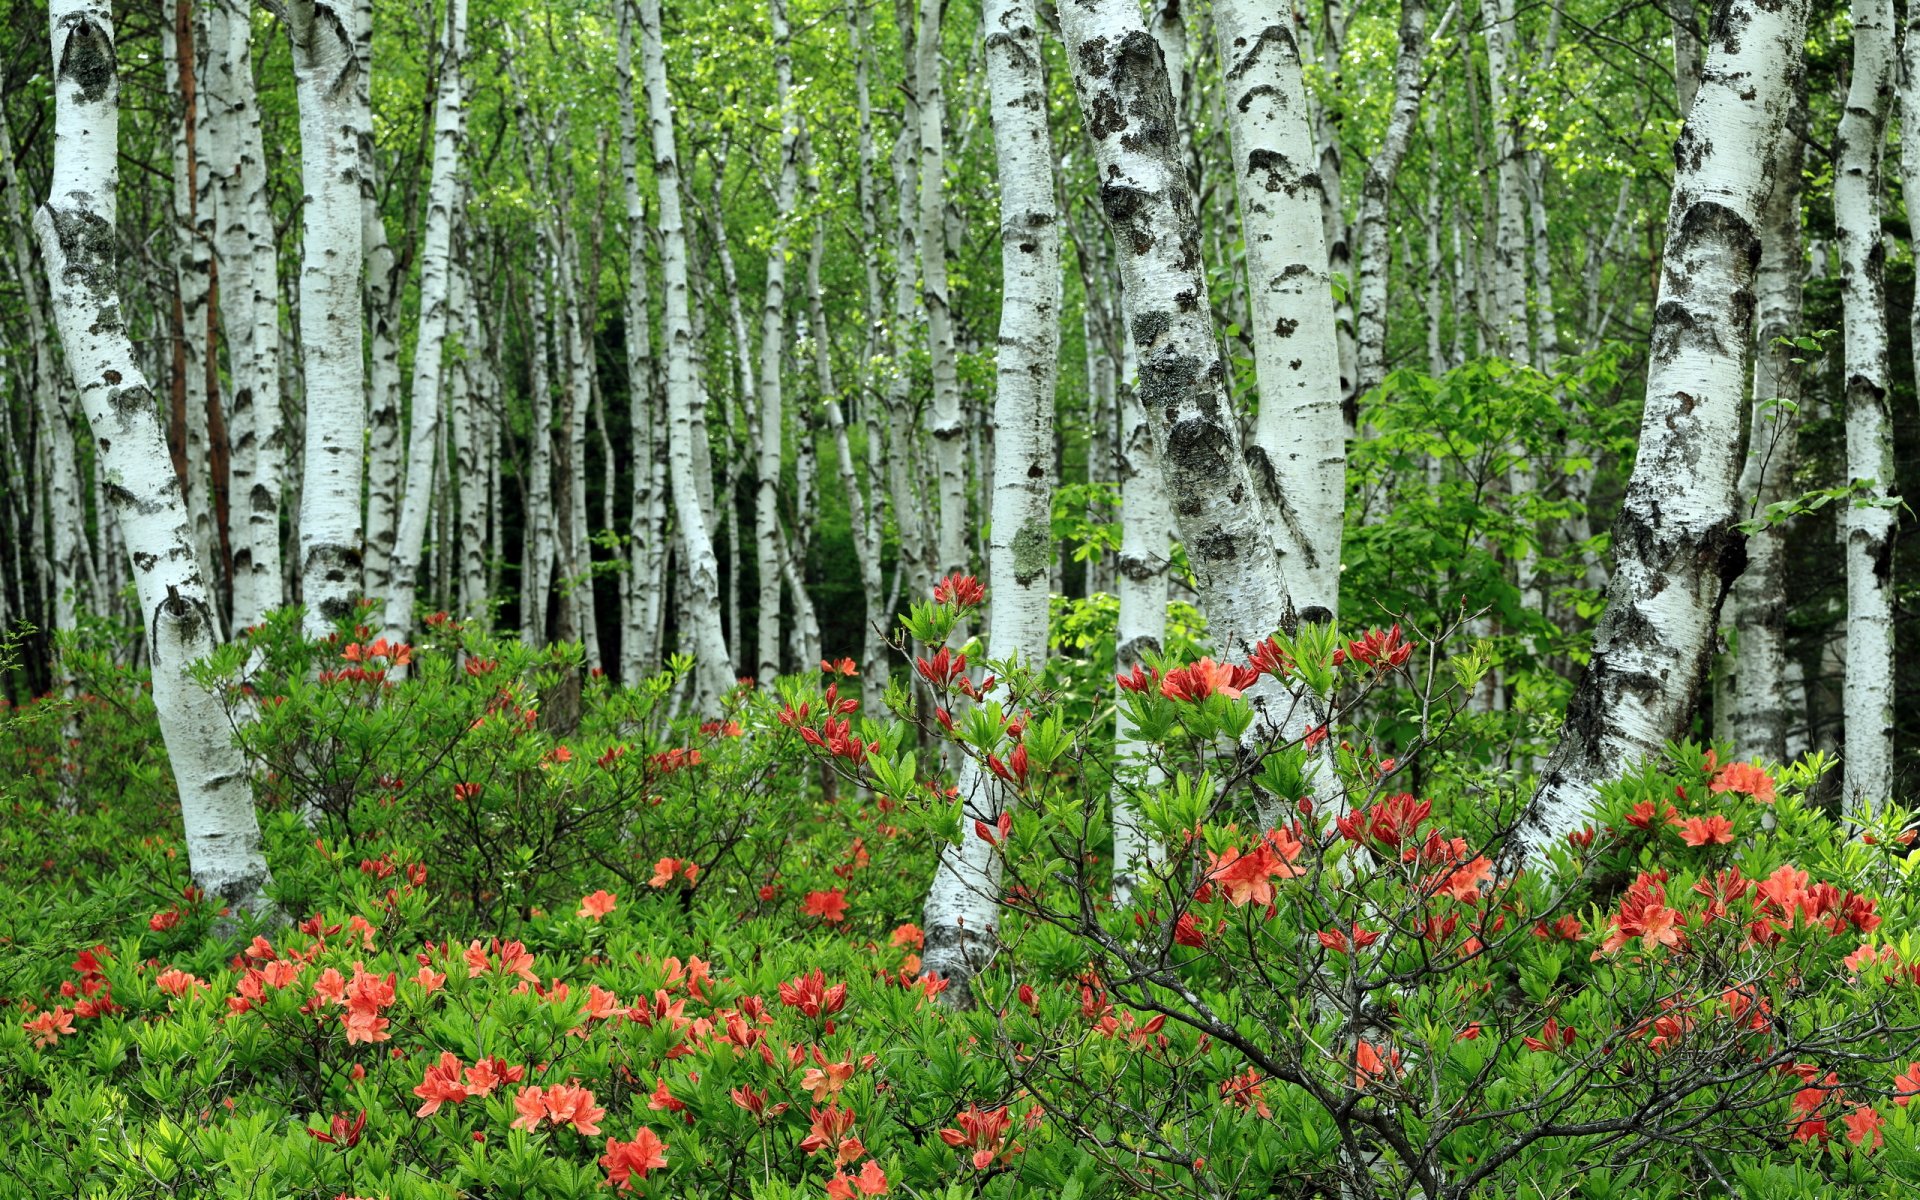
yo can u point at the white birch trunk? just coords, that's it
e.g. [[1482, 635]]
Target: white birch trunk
[[1127, 104], [1675, 546], [1299, 453], [1762, 697], [1376, 190], [773, 324], [700, 618], [639, 646], [1510, 233], [333, 123], [1867, 693], [436, 269], [944, 421], [76, 230], [964, 899], [386, 458]]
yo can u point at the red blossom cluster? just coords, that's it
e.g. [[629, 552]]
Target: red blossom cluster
[[982, 1131], [1378, 649], [961, 591], [445, 1083]]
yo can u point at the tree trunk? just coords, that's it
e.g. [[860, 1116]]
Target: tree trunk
[[945, 423], [1676, 548], [333, 123], [773, 325], [1299, 454], [713, 670], [1127, 104], [963, 901], [1867, 699], [1762, 698], [77, 236], [1376, 189], [436, 269]]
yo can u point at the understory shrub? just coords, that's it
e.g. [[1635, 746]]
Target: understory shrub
[[548, 937]]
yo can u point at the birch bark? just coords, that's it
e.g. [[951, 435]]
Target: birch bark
[[773, 324], [964, 899], [945, 423], [1299, 457], [334, 121], [713, 671], [1867, 691], [639, 646], [1763, 708], [1675, 546], [76, 228], [436, 268], [1376, 189]]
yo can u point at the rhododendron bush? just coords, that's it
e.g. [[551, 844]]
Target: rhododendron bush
[[543, 937]]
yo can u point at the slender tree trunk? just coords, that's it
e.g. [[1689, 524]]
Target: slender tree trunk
[[963, 901], [1376, 189], [1510, 230], [945, 423], [436, 269], [333, 123], [1762, 698], [639, 647], [1686, 55], [713, 670], [1868, 689], [1299, 454], [1676, 548], [773, 324], [77, 235]]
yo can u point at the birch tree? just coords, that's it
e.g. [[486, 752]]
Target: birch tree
[[1762, 702], [436, 269], [1377, 189], [700, 616], [1676, 548], [1867, 694], [963, 901], [945, 424], [326, 40], [773, 324], [1299, 457], [77, 232]]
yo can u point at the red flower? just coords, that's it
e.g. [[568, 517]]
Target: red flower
[[1206, 677], [1746, 779], [1715, 830], [340, 1131], [623, 1160], [441, 1086], [1390, 822], [810, 994], [49, 1027], [597, 905], [1139, 679], [1863, 1123], [943, 668], [963, 591], [984, 1132], [1553, 1037], [563, 1104], [1376, 649], [1248, 878], [1269, 659], [829, 906], [1907, 1086], [163, 921], [1368, 1065], [1244, 1091]]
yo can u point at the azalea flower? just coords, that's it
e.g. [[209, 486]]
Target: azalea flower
[[597, 905], [1747, 779], [1907, 1086], [964, 591], [829, 906], [1244, 1091], [50, 1026], [1863, 1123], [985, 1132], [871, 1181], [1715, 830], [441, 1086], [626, 1160]]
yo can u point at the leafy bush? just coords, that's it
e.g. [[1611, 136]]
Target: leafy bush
[[543, 946]]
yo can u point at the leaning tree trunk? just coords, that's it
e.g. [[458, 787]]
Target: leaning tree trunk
[[436, 267], [1763, 707], [1867, 691], [1299, 452], [77, 237], [1676, 547], [963, 901], [700, 617], [333, 122]]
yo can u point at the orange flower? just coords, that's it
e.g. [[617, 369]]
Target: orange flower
[[624, 1160], [829, 906], [1907, 1086], [1715, 830], [1863, 1124], [1745, 778], [597, 905], [49, 1027]]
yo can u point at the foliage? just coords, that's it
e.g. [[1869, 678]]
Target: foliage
[[545, 950]]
